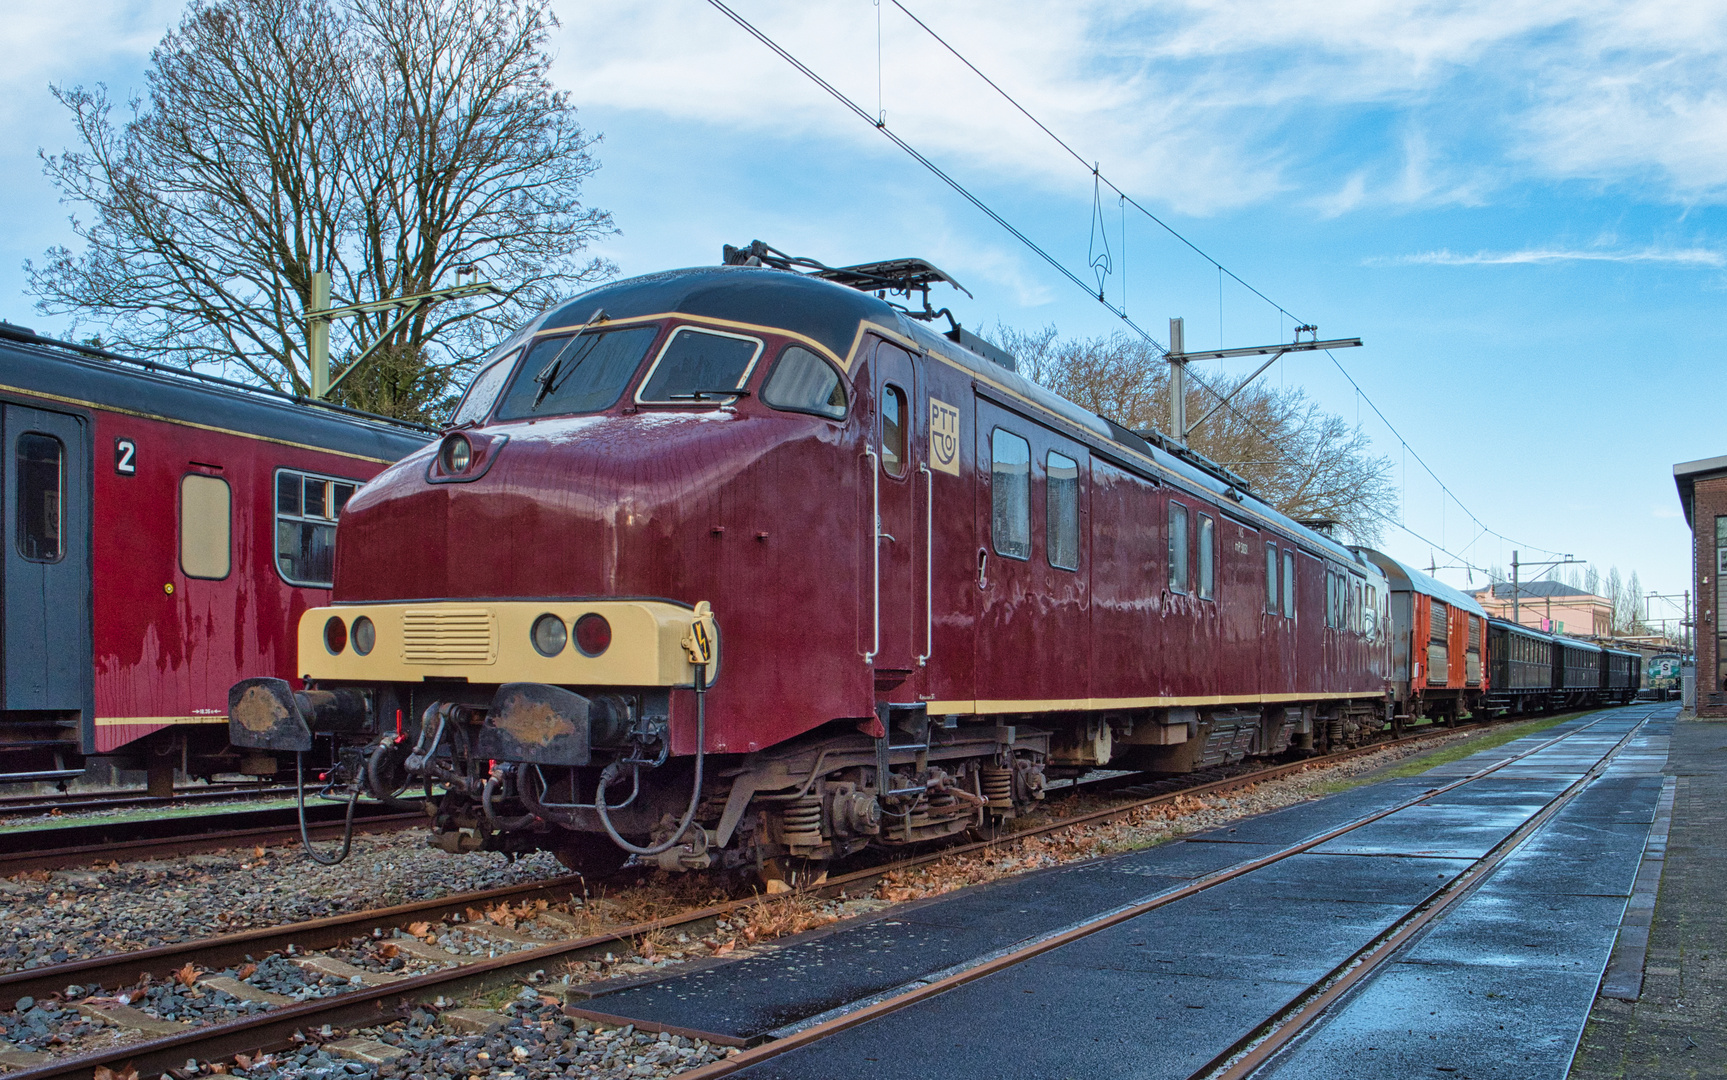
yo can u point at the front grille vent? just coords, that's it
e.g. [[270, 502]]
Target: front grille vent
[[449, 636]]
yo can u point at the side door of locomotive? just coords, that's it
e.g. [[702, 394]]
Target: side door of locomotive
[[1241, 605], [900, 490], [46, 640], [1277, 650]]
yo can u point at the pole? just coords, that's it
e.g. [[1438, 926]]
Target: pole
[[1514, 609], [318, 334], [1177, 383]]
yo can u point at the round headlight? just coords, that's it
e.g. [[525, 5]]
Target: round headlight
[[365, 635], [593, 634], [458, 454], [335, 634], [549, 635]]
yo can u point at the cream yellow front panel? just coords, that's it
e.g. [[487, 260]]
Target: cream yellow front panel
[[490, 643]]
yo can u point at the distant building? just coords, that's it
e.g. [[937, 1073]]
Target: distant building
[[1703, 495], [1550, 606]]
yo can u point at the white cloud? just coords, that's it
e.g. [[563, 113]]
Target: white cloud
[[1208, 105], [1693, 257]]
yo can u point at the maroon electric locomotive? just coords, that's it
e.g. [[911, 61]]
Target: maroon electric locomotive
[[741, 566]]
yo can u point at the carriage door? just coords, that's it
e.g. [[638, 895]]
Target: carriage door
[[46, 637], [901, 491]]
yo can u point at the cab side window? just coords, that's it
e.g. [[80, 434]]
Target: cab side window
[[1207, 557], [1177, 548], [1271, 578], [41, 467], [1062, 524], [803, 382], [1010, 494], [893, 430]]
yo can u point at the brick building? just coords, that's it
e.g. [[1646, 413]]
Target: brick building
[[1703, 494], [1550, 606]]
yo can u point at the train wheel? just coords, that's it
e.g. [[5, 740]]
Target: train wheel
[[591, 856]]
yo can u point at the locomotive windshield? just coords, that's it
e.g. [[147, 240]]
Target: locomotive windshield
[[581, 374], [700, 366]]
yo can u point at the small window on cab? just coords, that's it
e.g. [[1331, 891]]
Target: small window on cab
[[307, 506], [698, 367], [1207, 558], [1062, 511], [1010, 494], [1271, 578], [41, 488], [1288, 584], [803, 382], [484, 390], [893, 430], [1177, 548], [206, 526]]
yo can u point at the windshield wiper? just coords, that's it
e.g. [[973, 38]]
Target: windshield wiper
[[697, 395], [549, 374]]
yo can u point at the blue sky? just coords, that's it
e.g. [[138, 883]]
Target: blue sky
[[1518, 205]]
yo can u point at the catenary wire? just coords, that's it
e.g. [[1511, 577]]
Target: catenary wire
[[1221, 269]]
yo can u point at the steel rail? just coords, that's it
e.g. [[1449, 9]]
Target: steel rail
[[371, 1005], [1048, 943], [56, 858]]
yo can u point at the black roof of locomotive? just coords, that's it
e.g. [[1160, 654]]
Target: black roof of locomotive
[[80, 375], [802, 303]]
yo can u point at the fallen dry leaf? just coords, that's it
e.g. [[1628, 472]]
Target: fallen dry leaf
[[246, 971], [419, 929], [187, 975], [389, 949]]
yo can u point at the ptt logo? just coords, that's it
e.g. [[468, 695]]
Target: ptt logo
[[944, 436]]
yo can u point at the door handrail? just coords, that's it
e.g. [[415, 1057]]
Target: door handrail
[[928, 566], [875, 548]]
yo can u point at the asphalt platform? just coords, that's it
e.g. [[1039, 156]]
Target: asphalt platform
[[1499, 986]]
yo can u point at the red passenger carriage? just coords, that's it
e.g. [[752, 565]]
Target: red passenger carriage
[[933, 584], [162, 533]]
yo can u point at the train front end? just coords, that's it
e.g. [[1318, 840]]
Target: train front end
[[534, 619]]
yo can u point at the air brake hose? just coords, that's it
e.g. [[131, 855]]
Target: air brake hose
[[611, 771], [347, 823]]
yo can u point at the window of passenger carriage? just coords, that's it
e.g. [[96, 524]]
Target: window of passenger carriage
[[41, 488], [1271, 578], [893, 432], [483, 392], [1010, 494], [307, 507], [1177, 548], [1207, 557], [583, 373], [1061, 506], [206, 526], [1288, 584], [698, 367], [803, 382]]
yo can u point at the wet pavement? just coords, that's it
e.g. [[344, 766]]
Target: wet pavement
[[1499, 986], [1676, 1024]]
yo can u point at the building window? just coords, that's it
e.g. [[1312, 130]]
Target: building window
[[1207, 557], [41, 493], [1010, 494], [1177, 548], [1062, 511], [307, 507], [206, 526]]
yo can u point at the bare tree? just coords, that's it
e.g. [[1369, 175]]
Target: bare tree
[[1615, 595], [389, 142], [1308, 463]]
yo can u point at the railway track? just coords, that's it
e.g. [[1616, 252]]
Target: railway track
[[13, 806], [59, 847], [1258, 1045], [377, 996]]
